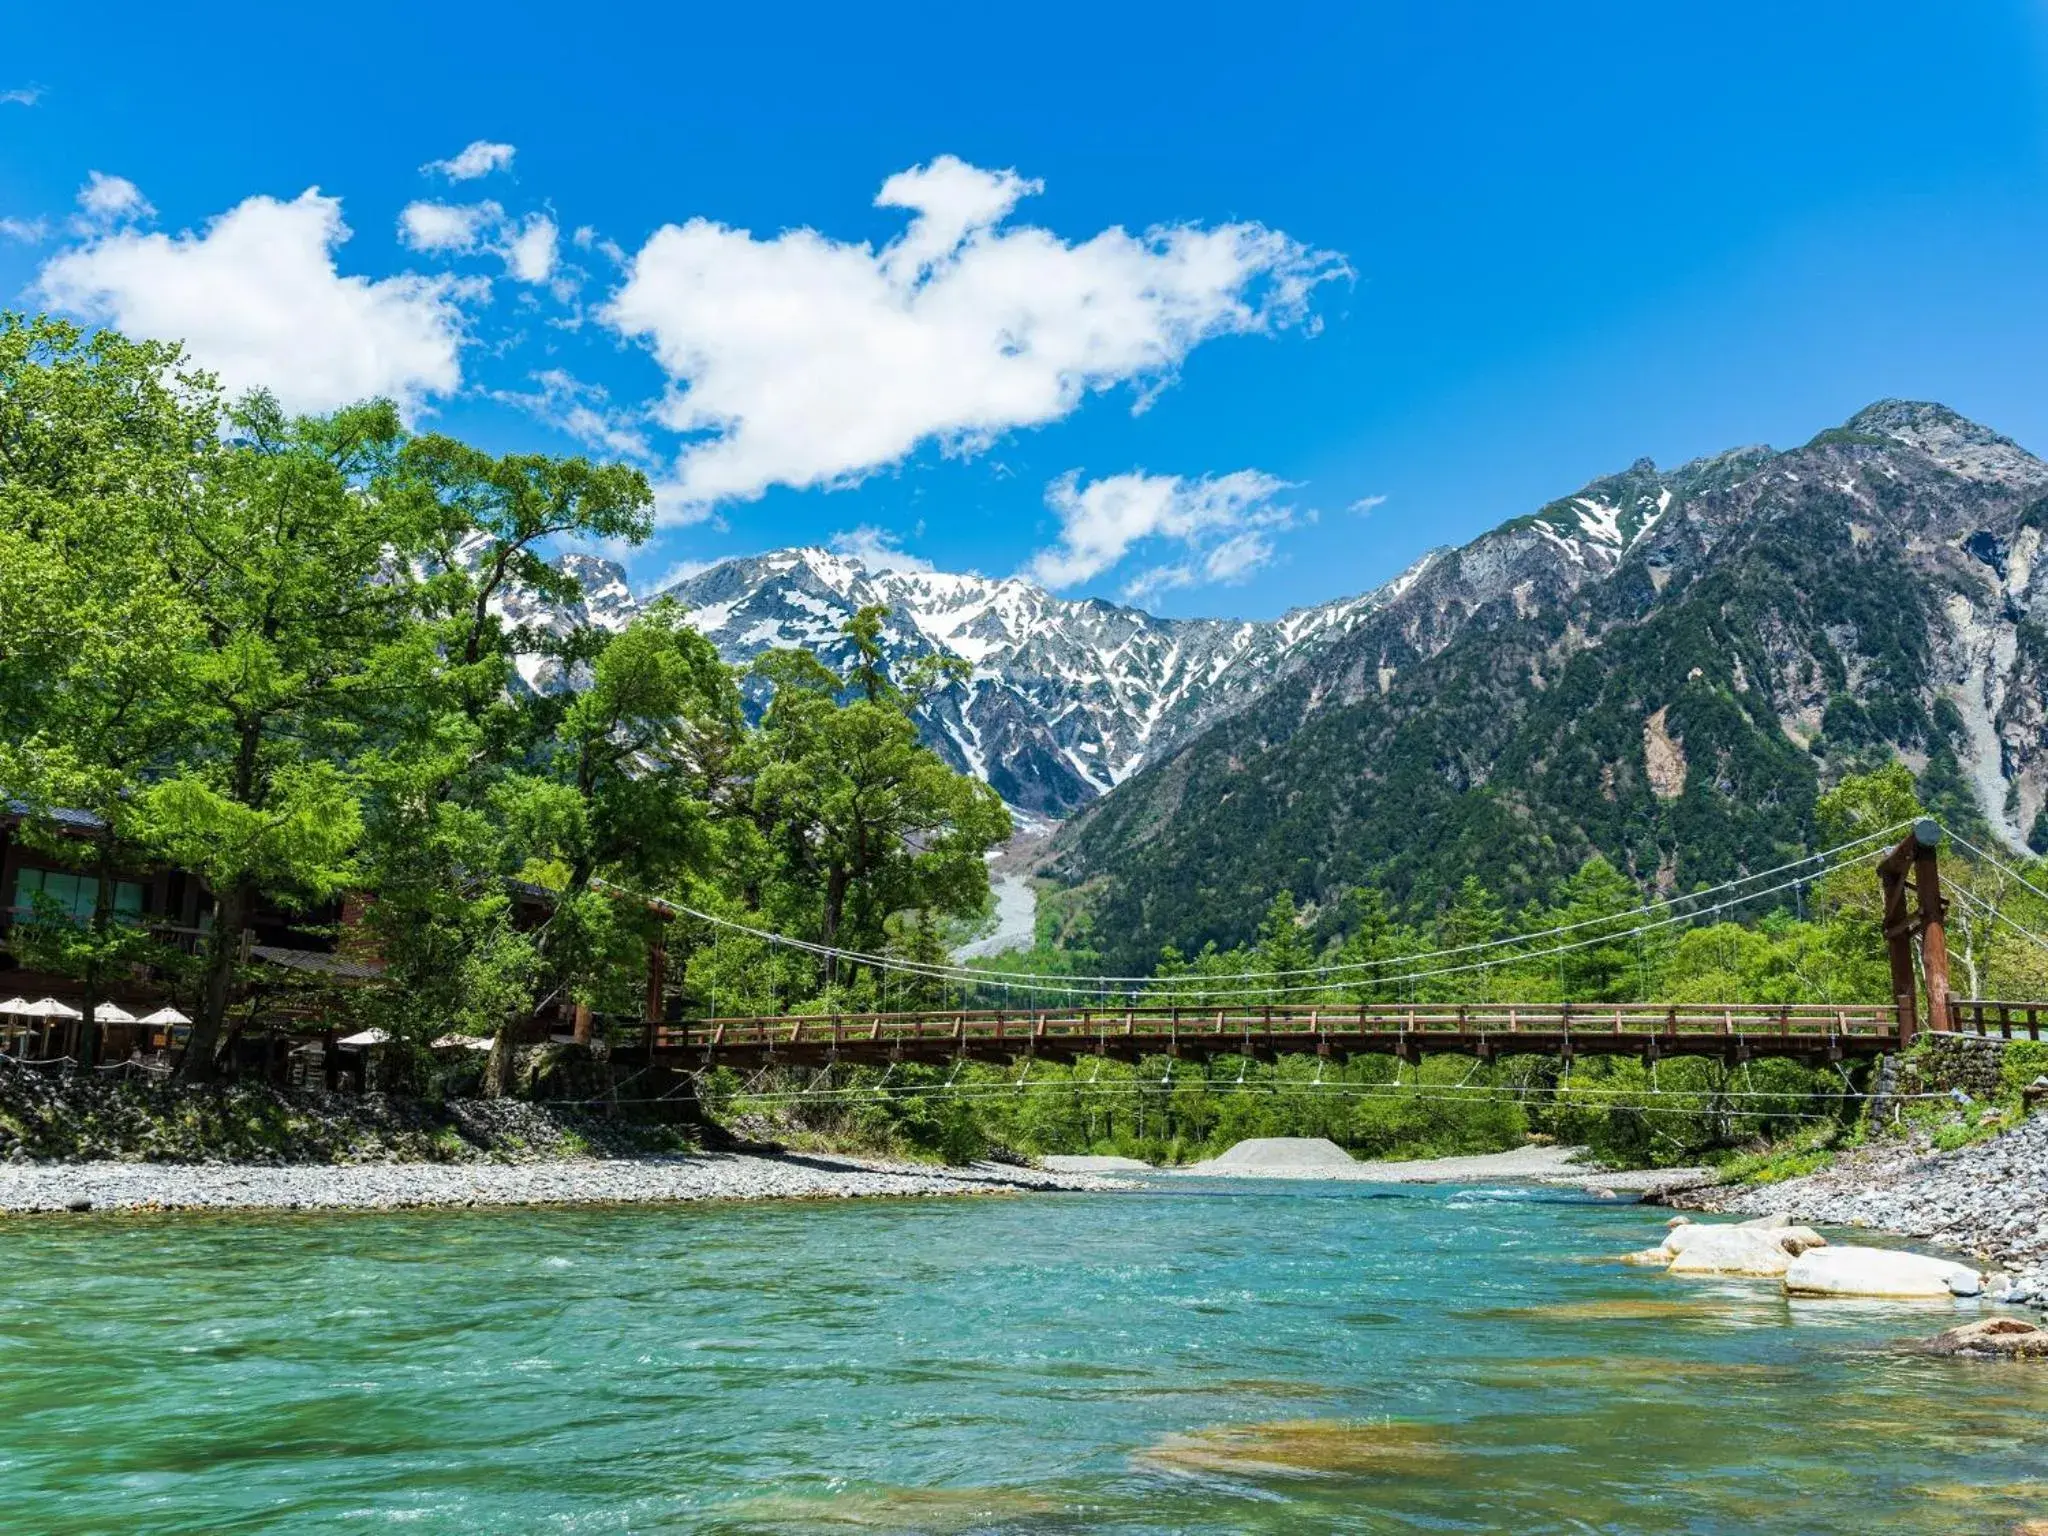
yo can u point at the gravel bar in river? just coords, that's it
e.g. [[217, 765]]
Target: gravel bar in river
[[52, 1187]]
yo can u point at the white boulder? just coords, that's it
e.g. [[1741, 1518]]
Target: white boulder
[[1731, 1251], [1678, 1239], [1848, 1270]]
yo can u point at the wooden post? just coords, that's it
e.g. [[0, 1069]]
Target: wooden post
[[1933, 931], [583, 1023], [1900, 926], [1898, 931], [657, 978], [1916, 852]]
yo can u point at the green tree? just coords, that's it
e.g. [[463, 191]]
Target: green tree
[[864, 630], [102, 443], [1604, 971], [295, 559], [1284, 946], [623, 793], [1474, 918], [434, 850]]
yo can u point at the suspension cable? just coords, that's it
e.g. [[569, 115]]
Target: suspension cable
[[1995, 862], [1985, 907], [1235, 984]]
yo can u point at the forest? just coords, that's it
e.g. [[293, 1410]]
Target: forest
[[271, 650]]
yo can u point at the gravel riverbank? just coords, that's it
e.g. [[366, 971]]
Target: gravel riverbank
[[121, 1186], [1989, 1200], [1563, 1167]]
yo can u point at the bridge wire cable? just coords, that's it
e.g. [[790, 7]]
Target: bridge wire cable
[[1979, 905], [1614, 1098], [1340, 1089], [1031, 981], [1995, 862], [1223, 990]]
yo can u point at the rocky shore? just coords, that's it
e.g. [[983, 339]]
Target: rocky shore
[[45, 1188], [1989, 1200]]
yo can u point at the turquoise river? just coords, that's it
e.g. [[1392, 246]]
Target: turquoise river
[[1191, 1357]]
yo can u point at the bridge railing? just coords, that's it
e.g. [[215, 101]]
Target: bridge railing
[[1218, 1027], [2005, 1020]]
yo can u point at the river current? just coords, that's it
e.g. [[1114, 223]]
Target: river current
[[1196, 1357]]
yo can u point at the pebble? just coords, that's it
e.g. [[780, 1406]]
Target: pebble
[[114, 1186]]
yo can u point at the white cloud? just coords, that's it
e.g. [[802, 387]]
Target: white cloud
[[21, 96], [531, 250], [106, 200], [677, 506], [806, 361], [258, 299], [1222, 519], [1365, 504], [1237, 557], [583, 411], [447, 226], [1231, 561], [27, 231], [878, 550], [478, 158], [530, 246]]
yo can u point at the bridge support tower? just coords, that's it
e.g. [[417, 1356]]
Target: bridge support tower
[[1912, 870]]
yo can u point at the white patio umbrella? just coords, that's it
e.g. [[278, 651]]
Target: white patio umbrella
[[362, 1038], [165, 1016], [17, 1007], [112, 1013], [50, 1008], [463, 1043]]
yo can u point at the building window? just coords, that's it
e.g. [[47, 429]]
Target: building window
[[74, 896]]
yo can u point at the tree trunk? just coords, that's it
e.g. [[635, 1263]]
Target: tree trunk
[[95, 982], [222, 951], [836, 881], [498, 1070]]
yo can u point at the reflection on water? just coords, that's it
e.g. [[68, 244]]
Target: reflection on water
[[1278, 1358], [1307, 1448]]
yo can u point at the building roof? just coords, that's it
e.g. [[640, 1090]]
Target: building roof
[[316, 962], [62, 815]]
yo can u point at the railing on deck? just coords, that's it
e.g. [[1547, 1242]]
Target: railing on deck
[[2008, 1021], [1217, 1027]]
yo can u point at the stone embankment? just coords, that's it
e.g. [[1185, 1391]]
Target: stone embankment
[[86, 1116], [1989, 1200], [105, 1186]]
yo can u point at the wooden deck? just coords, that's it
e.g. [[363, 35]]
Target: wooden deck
[[1735, 1032]]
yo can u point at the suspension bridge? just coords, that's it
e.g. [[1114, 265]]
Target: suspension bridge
[[1197, 1017]]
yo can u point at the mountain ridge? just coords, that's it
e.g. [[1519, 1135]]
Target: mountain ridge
[[1066, 697], [1875, 592]]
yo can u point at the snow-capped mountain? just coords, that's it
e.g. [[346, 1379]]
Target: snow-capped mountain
[[1067, 698]]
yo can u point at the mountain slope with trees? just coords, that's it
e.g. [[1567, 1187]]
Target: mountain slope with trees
[[1664, 669]]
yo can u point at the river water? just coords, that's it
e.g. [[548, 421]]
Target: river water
[[1199, 1357]]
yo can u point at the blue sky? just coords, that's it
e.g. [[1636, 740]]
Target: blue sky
[[1227, 310]]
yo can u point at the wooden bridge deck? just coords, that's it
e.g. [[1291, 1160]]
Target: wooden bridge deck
[[1734, 1031]]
